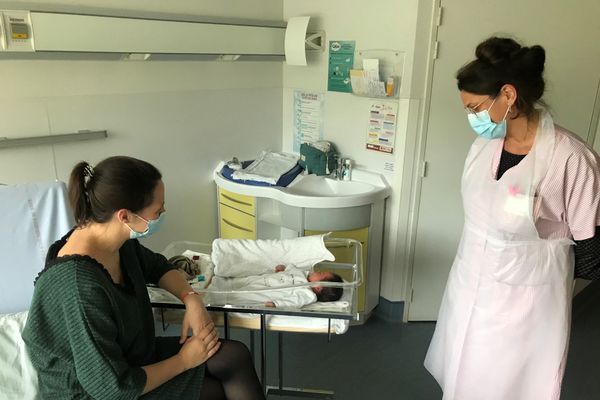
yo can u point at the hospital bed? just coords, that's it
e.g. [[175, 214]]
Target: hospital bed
[[32, 217], [313, 318]]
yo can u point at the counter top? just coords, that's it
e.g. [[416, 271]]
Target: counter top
[[312, 191]]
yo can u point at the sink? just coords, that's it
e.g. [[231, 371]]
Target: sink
[[312, 191], [313, 185]]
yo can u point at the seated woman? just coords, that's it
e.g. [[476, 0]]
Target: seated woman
[[282, 277], [90, 330]]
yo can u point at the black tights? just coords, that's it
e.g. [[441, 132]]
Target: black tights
[[230, 375]]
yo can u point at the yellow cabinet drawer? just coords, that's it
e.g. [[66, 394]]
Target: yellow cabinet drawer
[[234, 224], [240, 202]]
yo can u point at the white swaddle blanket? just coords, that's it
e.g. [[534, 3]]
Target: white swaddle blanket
[[242, 257], [241, 287]]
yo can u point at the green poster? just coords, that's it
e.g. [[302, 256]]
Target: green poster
[[341, 61]]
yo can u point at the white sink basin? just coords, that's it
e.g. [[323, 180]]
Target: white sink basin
[[312, 191], [313, 185]]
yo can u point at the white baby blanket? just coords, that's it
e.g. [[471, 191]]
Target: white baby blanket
[[268, 167], [265, 286], [242, 257]]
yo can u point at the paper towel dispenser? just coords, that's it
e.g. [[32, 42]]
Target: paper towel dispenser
[[43, 34]]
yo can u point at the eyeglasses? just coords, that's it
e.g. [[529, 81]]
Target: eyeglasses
[[473, 110]]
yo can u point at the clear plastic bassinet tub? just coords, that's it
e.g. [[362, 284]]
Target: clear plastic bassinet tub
[[223, 300]]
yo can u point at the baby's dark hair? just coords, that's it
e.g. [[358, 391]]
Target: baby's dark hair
[[331, 293], [501, 61]]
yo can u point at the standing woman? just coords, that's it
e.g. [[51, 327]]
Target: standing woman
[[529, 188], [90, 328]]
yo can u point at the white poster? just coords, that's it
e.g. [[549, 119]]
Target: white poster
[[308, 118], [381, 128]]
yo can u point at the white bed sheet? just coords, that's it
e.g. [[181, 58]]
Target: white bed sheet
[[18, 378]]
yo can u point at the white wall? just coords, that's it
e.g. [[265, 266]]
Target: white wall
[[380, 24], [184, 117]]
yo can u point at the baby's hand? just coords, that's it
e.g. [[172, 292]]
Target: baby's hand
[[269, 304], [280, 268]]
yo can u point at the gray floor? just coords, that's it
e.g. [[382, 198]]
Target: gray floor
[[383, 360], [378, 360]]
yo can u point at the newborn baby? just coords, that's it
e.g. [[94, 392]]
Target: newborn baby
[[280, 277]]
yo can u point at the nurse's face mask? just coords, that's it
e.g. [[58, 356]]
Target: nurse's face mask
[[482, 123], [153, 225]]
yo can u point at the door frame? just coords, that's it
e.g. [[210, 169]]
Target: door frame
[[430, 14]]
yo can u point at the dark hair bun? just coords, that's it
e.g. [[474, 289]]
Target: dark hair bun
[[497, 50], [533, 59], [505, 51]]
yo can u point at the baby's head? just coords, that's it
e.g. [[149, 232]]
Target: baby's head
[[326, 293]]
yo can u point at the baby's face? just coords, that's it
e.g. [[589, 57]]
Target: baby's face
[[319, 276]]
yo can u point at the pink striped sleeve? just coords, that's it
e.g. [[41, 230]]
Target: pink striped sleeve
[[568, 205], [582, 200]]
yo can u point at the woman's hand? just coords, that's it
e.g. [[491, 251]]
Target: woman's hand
[[196, 318], [200, 347]]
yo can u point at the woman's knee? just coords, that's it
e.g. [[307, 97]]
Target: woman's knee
[[237, 351]]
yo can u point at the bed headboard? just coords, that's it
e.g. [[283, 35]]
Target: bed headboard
[[32, 217]]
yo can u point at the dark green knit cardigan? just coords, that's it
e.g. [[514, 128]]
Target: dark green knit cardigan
[[88, 337]]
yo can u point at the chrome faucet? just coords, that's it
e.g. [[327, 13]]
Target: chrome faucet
[[344, 169]]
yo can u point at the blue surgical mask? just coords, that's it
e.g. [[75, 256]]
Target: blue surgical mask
[[153, 226], [483, 125]]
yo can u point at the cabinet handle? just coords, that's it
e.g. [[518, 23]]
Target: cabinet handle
[[236, 201], [236, 226]]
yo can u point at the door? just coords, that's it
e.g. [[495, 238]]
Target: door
[[569, 32]]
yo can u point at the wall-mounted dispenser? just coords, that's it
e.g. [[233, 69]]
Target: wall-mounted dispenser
[[298, 40]]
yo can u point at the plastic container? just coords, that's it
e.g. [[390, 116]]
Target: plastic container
[[177, 248]]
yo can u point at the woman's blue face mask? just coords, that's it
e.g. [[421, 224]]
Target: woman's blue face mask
[[153, 226], [482, 123]]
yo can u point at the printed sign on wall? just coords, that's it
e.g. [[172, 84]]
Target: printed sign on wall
[[382, 127], [341, 61], [308, 118]]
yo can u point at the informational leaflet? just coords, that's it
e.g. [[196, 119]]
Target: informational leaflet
[[308, 117], [341, 61], [381, 128]]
